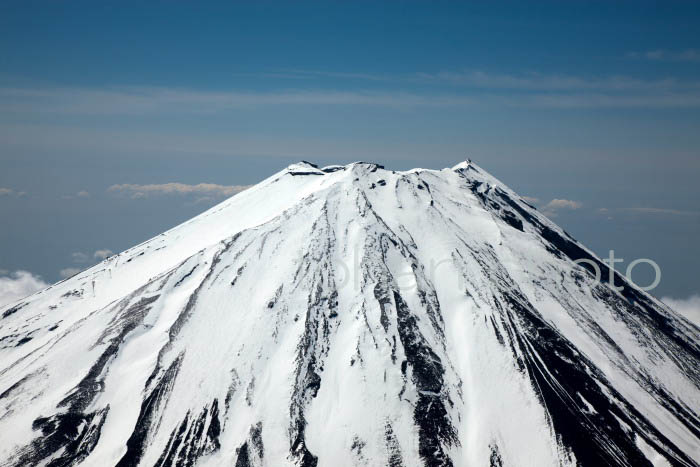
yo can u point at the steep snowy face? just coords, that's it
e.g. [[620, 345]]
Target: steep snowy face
[[351, 315]]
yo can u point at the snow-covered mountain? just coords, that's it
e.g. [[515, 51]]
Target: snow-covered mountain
[[351, 316]]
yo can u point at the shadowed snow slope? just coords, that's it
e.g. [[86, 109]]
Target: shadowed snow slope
[[351, 316]]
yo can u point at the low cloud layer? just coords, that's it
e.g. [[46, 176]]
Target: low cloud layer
[[550, 209], [102, 254], [7, 192], [689, 307], [80, 257], [18, 285], [202, 189], [563, 204]]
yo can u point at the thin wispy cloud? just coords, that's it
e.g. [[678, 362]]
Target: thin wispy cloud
[[68, 272], [687, 55], [154, 100], [84, 138], [528, 81], [312, 74], [79, 257], [552, 82], [144, 191], [204, 200], [81, 194], [475, 88], [650, 210], [9, 192], [606, 212]]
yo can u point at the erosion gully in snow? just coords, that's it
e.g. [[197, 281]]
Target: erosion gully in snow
[[351, 316]]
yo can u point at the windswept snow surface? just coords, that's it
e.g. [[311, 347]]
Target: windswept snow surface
[[351, 316]]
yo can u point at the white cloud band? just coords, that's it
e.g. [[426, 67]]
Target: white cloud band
[[208, 189], [18, 285]]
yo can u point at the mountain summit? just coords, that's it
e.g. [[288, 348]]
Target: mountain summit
[[351, 316]]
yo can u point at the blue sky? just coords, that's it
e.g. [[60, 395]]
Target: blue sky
[[596, 103]]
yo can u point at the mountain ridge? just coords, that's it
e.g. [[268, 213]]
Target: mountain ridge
[[351, 315]]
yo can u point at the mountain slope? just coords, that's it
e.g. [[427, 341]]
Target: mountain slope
[[350, 315]]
